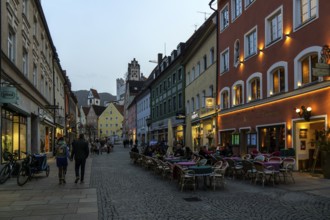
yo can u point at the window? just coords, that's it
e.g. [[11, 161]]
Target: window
[[12, 46], [224, 98], [224, 18], [212, 55], [307, 64], [169, 105], [192, 104], [25, 67], [174, 103], [204, 62], [197, 101], [254, 89], [164, 106], [274, 27], [238, 94], [236, 53], [236, 8], [224, 61], [174, 78], [278, 80], [192, 76], [35, 74], [188, 78], [305, 11], [198, 69], [180, 74], [203, 99], [24, 7], [250, 42], [248, 3], [180, 100], [211, 91]]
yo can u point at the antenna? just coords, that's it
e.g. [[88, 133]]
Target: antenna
[[205, 13]]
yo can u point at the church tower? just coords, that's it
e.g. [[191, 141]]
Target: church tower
[[134, 71]]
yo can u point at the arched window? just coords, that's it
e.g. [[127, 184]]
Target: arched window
[[236, 53], [238, 93], [254, 85], [224, 98], [304, 64], [277, 78]]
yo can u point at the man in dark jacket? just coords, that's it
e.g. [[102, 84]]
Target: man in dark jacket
[[80, 153]]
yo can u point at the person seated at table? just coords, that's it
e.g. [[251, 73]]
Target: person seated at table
[[204, 152], [135, 149], [179, 152], [148, 151]]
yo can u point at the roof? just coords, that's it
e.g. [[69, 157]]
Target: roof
[[120, 108], [98, 109], [86, 110], [95, 93]]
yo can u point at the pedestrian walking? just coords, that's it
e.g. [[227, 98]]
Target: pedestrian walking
[[62, 155], [80, 153]]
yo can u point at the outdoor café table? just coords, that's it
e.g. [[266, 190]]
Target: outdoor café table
[[186, 163], [204, 171], [171, 160]]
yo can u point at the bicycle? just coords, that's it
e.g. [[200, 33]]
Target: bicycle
[[11, 167], [31, 165]]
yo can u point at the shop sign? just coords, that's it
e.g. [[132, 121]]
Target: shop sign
[[209, 102], [321, 69], [8, 95]]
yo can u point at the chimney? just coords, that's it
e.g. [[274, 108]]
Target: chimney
[[160, 58]]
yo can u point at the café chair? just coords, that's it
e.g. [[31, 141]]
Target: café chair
[[287, 168]]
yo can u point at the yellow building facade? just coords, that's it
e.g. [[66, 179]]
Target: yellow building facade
[[110, 123]]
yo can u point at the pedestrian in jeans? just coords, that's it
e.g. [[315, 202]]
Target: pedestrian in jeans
[[62, 154], [80, 153]]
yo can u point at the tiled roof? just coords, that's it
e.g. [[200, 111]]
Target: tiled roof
[[86, 110], [98, 109], [120, 108], [95, 93]]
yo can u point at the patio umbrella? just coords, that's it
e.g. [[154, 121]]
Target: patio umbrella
[[169, 137]]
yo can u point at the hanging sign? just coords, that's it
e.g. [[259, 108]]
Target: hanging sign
[[209, 102], [8, 95]]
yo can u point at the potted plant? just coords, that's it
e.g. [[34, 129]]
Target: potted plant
[[323, 144]]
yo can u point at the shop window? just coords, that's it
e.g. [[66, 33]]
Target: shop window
[[13, 133], [235, 139], [271, 138]]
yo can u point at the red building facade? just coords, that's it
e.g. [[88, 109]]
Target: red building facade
[[267, 55]]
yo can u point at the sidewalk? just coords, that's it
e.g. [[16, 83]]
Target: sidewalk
[[43, 198]]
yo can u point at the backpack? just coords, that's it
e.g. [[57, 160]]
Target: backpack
[[61, 150]]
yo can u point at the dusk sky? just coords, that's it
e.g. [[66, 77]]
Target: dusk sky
[[96, 39]]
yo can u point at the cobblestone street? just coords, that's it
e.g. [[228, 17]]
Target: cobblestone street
[[127, 191]]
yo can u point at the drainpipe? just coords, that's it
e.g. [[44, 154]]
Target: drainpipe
[[217, 67]]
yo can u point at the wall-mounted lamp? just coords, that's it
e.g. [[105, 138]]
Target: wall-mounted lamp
[[287, 35], [261, 50], [304, 112], [241, 61], [288, 131]]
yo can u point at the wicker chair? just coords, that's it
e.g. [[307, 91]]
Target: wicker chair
[[287, 168]]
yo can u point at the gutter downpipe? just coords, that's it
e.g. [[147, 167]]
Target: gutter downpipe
[[217, 69]]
